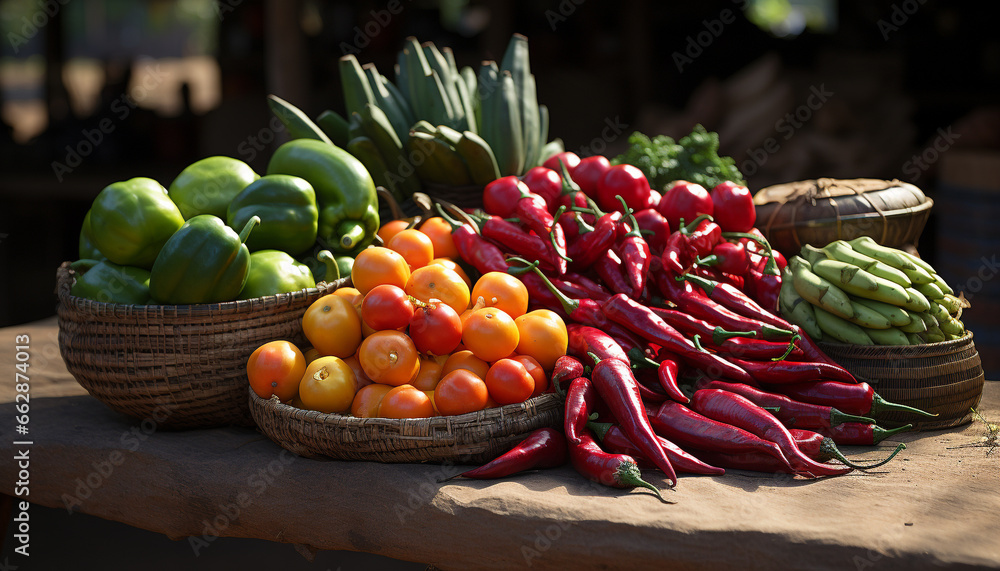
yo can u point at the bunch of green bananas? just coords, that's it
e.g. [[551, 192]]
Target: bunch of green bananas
[[437, 123], [863, 293]]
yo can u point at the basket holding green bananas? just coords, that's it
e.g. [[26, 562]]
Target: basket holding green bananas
[[863, 293], [437, 123]]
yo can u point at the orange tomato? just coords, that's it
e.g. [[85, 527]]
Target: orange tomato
[[360, 378], [430, 395], [509, 382], [391, 228], [453, 266], [350, 294], [327, 386], [536, 371], [333, 326], [465, 360], [542, 334], [389, 357], [480, 303], [428, 375], [438, 282], [504, 291], [406, 401], [368, 399], [415, 247], [275, 368], [311, 354], [377, 265], [490, 334], [439, 232], [459, 392]]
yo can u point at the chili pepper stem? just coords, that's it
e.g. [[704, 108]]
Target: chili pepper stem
[[639, 360], [629, 474], [880, 405], [552, 236], [829, 448], [791, 347], [720, 335], [881, 434], [771, 267], [837, 418], [687, 229], [353, 233], [568, 305]]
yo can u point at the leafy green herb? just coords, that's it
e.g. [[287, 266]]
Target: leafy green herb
[[694, 158]]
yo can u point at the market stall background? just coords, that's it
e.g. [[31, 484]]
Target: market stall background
[[98, 92]]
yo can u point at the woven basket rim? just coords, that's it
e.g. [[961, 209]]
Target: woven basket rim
[[65, 278], [347, 421], [921, 208], [844, 349]]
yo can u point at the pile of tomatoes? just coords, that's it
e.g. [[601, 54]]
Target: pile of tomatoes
[[414, 337]]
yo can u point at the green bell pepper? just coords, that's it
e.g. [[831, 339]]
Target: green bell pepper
[[203, 262], [131, 220], [287, 209], [208, 186], [345, 192], [323, 266], [87, 249], [344, 265], [274, 271], [110, 283]]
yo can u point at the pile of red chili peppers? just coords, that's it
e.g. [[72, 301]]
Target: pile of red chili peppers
[[677, 358]]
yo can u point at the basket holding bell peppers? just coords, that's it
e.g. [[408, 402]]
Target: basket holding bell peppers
[[677, 359], [222, 232]]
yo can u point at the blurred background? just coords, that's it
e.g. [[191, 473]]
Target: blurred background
[[105, 90]]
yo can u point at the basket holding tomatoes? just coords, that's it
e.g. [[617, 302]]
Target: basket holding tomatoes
[[414, 338]]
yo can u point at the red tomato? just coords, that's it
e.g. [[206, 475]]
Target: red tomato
[[536, 371], [436, 329], [509, 382], [569, 158], [684, 200], [275, 368], [733, 207], [589, 172], [626, 181], [546, 183], [459, 392], [386, 307]]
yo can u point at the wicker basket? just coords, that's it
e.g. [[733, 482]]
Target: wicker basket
[[183, 366], [946, 378], [467, 438], [821, 211]]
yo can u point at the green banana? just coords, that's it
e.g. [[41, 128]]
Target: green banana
[[916, 325], [890, 336], [364, 150], [469, 77], [953, 304], [448, 135], [478, 156], [384, 101], [335, 127], [930, 291], [515, 60], [299, 125], [917, 261], [928, 319], [509, 148], [439, 163], [869, 318], [551, 149], [917, 301], [841, 329], [853, 279], [897, 316], [797, 309], [488, 90], [812, 254], [942, 285], [422, 126], [399, 98], [439, 65], [914, 339], [376, 127], [543, 134], [895, 258], [841, 250], [357, 91], [818, 291], [933, 335], [952, 327], [939, 312]]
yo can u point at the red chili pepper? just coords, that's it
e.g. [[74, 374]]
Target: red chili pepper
[[570, 227], [738, 411], [765, 289], [703, 235], [677, 253], [594, 290], [733, 207], [729, 257], [616, 441], [589, 172], [737, 301], [751, 461], [501, 196], [655, 229], [473, 248], [667, 373], [714, 274], [546, 183], [860, 433], [533, 213], [852, 398], [626, 181], [567, 158], [822, 448], [581, 400], [634, 253], [585, 341], [691, 326], [609, 268], [782, 372], [684, 200], [543, 448], [649, 387], [615, 470], [792, 413], [642, 321], [613, 380], [566, 368], [812, 352], [759, 349], [517, 241], [694, 431], [588, 247]]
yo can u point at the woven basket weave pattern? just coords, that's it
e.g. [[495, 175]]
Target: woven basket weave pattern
[[468, 438], [946, 378], [181, 365]]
